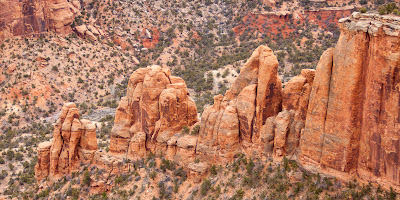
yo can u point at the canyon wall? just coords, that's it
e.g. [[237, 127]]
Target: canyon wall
[[32, 17], [352, 125]]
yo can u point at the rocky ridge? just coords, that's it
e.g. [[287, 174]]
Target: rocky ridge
[[325, 117]]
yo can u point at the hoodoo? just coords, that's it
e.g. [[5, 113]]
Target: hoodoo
[[156, 107], [74, 141]]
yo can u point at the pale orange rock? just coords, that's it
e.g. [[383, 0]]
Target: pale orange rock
[[315, 123], [185, 149], [353, 114], [171, 147], [269, 87], [74, 141], [137, 145], [246, 109], [158, 105], [267, 135], [11, 68], [43, 165], [282, 126], [197, 171], [232, 125], [208, 141]]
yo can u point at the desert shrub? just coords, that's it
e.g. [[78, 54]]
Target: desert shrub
[[195, 130], [86, 178], [205, 187], [185, 130]]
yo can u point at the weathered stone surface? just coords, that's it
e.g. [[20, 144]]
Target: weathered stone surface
[[85, 31], [353, 115], [43, 165], [74, 141], [233, 123], [185, 149], [267, 135], [197, 171], [316, 114], [137, 145], [35, 17], [246, 109], [228, 133], [158, 105], [282, 125]]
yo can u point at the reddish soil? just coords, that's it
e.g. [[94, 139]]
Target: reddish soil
[[151, 43], [286, 24]]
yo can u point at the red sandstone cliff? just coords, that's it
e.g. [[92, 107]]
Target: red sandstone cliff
[[36, 16], [352, 124]]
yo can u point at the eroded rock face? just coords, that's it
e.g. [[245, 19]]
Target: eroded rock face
[[233, 124], [352, 124], [34, 17], [156, 107], [74, 141]]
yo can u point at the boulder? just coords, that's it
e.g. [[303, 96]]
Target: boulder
[[197, 171]]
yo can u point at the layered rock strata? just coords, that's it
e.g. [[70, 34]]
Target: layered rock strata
[[74, 141]]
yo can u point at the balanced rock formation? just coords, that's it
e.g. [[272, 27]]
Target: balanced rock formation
[[74, 141], [353, 119], [156, 107], [36, 16]]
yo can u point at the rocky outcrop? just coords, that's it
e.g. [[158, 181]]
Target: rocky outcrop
[[74, 141], [89, 32], [156, 107], [352, 124], [36, 16], [233, 124], [341, 119]]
